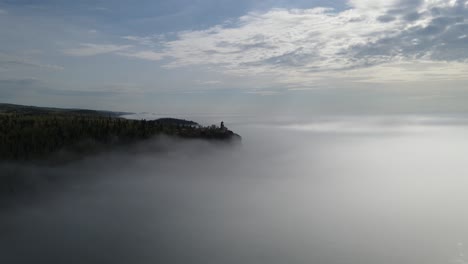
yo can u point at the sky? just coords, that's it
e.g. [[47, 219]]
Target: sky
[[237, 57]]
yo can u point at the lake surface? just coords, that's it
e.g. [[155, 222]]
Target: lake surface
[[354, 190]]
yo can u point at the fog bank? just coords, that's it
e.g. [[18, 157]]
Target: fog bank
[[334, 190]]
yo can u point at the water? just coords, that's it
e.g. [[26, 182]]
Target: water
[[330, 190]]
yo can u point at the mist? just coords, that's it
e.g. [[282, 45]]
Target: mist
[[331, 190]]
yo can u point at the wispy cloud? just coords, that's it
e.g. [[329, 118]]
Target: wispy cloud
[[263, 92], [209, 82], [414, 71], [100, 8], [378, 41], [299, 44], [9, 61], [88, 49], [144, 55], [120, 88], [3, 12], [31, 87], [151, 41]]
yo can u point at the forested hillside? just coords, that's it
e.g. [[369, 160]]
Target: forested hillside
[[27, 135]]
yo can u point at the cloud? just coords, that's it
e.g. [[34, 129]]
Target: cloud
[[209, 82], [145, 55], [432, 31], [9, 61], [150, 41], [3, 12], [263, 92], [384, 5], [119, 88], [298, 44], [297, 48], [88, 49], [415, 71], [371, 4], [100, 8], [25, 88]]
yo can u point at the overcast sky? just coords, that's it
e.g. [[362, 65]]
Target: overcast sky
[[242, 56]]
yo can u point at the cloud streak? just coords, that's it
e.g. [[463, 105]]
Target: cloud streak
[[89, 49], [145, 55], [9, 61]]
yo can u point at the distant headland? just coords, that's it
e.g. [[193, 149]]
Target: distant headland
[[30, 132]]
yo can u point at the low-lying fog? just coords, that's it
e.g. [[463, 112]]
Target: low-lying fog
[[341, 190]]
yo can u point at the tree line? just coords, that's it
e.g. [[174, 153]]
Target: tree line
[[24, 137]]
